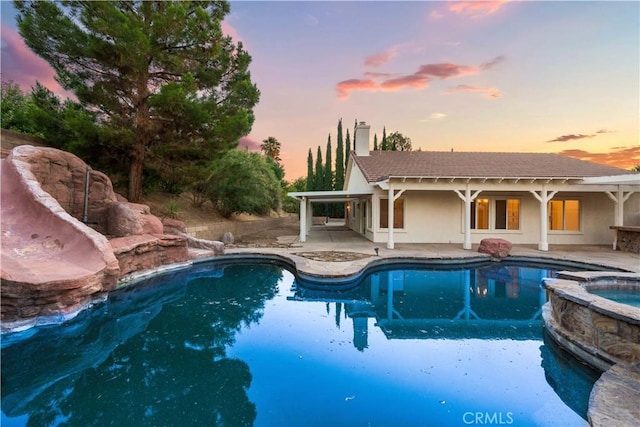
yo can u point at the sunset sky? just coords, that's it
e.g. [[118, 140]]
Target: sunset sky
[[544, 76]]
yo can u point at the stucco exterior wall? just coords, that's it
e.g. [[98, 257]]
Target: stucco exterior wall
[[356, 181], [438, 217]]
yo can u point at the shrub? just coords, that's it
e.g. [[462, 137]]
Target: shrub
[[241, 181]]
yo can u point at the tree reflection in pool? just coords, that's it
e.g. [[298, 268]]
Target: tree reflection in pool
[[243, 344]]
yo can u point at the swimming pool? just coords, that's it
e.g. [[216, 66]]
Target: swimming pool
[[245, 344], [629, 296]]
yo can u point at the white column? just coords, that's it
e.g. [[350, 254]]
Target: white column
[[543, 197], [390, 243], [618, 218], [303, 219], [309, 214], [467, 198], [375, 215]]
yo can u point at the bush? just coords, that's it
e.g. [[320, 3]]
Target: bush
[[241, 181]]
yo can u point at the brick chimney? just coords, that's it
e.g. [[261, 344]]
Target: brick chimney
[[362, 139]]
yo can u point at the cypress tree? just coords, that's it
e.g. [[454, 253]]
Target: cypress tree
[[328, 174], [318, 177], [310, 176], [355, 125], [385, 146], [339, 159], [375, 142], [347, 150]]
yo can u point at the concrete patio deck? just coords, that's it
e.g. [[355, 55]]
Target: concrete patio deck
[[325, 238]]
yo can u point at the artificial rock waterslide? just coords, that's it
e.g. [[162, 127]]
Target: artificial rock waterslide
[[68, 238]]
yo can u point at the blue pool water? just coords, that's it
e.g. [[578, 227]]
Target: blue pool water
[[629, 296], [245, 344]]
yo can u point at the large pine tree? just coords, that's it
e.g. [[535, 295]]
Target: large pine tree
[[161, 74]]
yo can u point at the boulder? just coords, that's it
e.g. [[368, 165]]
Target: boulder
[[173, 226], [125, 219], [227, 238], [497, 248]]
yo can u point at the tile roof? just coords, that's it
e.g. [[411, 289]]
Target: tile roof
[[380, 165]]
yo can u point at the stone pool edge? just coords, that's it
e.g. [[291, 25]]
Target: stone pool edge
[[588, 331]]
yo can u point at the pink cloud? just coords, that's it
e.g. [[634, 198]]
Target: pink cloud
[[23, 67], [435, 14], [489, 92], [346, 86], [476, 8], [413, 80], [380, 58], [446, 71], [419, 79]]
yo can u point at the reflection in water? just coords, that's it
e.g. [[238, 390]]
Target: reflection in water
[[495, 302], [241, 346], [153, 355]]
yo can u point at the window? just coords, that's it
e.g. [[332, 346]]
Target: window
[[564, 215], [507, 215], [502, 214], [480, 214], [398, 213]]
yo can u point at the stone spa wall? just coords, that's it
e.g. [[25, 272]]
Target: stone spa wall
[[600, 331]]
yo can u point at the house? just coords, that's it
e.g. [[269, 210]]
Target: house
[[463, 197]]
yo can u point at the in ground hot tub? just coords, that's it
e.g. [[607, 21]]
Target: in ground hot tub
[[598, 330]]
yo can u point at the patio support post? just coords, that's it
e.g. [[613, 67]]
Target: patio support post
[[618, 219], [303, 219], [375, 215], [393, 196], [309, 214], [467, 198], [390, 244], [543, 197], [619, 200]]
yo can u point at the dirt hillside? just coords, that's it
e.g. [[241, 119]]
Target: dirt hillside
[[160, 203]]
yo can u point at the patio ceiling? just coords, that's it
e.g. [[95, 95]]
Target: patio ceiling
[[329, 196]]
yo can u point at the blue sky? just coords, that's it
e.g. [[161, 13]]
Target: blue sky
[[543, 76]]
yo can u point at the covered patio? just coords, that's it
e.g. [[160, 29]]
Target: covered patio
[[308, 198]]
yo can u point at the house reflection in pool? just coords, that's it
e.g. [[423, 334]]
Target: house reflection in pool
[[496, 302]]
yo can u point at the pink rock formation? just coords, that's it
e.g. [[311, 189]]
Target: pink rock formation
[[144, 252], [52, 263], [124, 219], [497, 248], [63, 175]]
